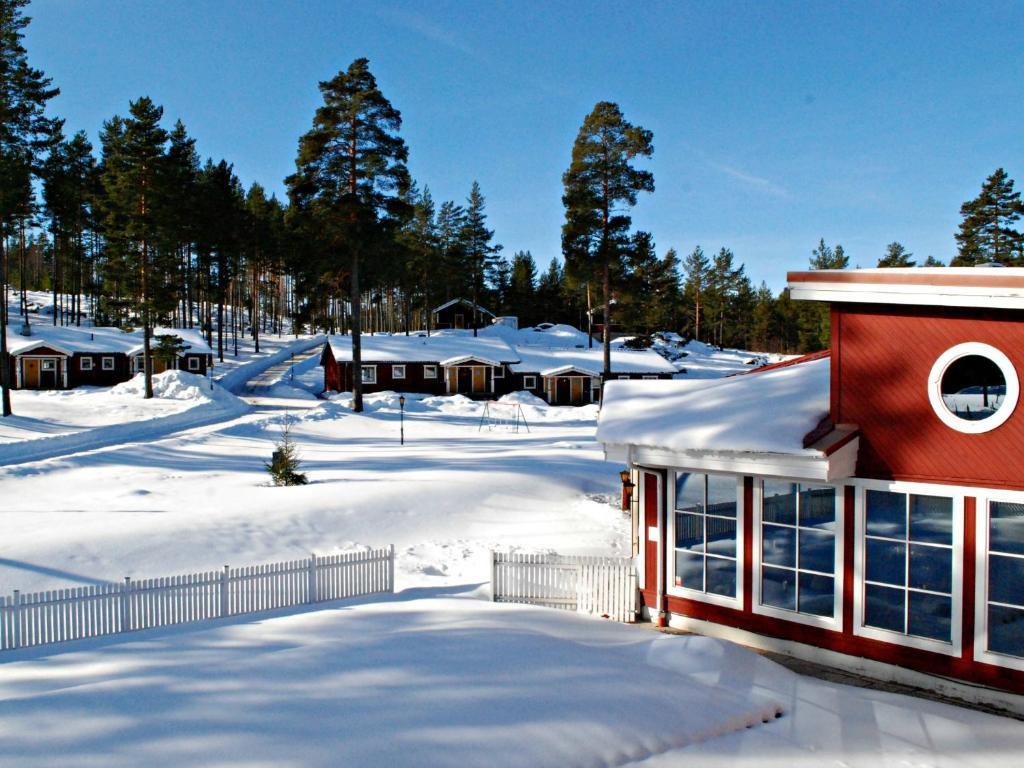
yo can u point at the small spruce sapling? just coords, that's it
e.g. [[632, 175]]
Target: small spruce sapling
[[168, 347], [284, 462]]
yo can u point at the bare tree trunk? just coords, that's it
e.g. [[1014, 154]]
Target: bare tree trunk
[[357, 348], [5, 359], [147, 355]]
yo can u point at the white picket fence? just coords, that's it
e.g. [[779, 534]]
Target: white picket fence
[[59, 615], [603, 586]]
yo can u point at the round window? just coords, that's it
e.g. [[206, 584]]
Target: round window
[[973, 387]]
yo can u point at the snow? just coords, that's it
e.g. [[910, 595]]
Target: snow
[[441, 345], [444, 678], [71, 339], [767, 412], [436, 675], [554, 361]]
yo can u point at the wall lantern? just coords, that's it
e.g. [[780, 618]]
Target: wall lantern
[[627, 488]]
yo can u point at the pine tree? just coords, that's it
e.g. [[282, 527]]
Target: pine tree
[[896, 256], [931, 261], [696, 272], [133, 155], [522, 291], [24, 133], [168, 347], [349, 172], [284, 462], [600, 185], [824, 257], [986, 231], [549, 292], [480, 256]]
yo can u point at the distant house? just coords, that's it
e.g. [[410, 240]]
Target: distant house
[[862, 508], [459, 314], [58, 357], [437, 364], [574, 376]]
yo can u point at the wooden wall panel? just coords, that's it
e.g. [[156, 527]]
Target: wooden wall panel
[[881, 359]]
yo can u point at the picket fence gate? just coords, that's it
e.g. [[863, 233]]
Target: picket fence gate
[[602, 586], [77, 613]]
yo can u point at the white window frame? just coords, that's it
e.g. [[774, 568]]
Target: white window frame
[[956, 494], [529, 382], [498, 372], [85, 363], [47, 364], [429, 371], [362, 374], [650, 377], [949, 418], [670, 544], [107, 363], [625, 378], [395, 371], [981, 518], [836, 621], [193, 363]]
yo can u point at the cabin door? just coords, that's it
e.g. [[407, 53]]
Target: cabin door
[[48, 373], [465, 381], [30, 373], [563, 394], [650, 500], [460, 321]]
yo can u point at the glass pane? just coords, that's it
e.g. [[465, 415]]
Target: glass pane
[[689, 531], [1006, 579], [883, 607], [817, 594], [779, 505], [930, 616], [721, 536], [887, 514], [778, 545], [817, 507], [886, 562], [1006, 527], [973, 387], [722, 495], [817, 551], [1006, 630], [778, 588], [690, 492], [690, 571], [931, 568], [721, 577], [931, 519]]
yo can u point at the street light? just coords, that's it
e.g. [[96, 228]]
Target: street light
[[401, 417]]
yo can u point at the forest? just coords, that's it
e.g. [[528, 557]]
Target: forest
[[140, 230]]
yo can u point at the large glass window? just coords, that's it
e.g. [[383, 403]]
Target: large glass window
[[908, 564], [705, 529], [798, 547], [1006, 578]]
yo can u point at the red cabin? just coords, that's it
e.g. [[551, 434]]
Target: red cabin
[[862, 508]]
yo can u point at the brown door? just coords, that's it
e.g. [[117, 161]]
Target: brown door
[[30, 374], [651, 535], [479, 379], [460, 321], [577, 390], [563, 394]]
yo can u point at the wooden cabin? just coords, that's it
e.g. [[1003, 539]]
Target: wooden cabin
[[862, 509], [459, 314]]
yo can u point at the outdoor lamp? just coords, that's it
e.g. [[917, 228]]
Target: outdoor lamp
[[401, 411], [627, 488]]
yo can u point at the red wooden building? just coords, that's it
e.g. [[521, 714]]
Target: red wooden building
[[863, 509]]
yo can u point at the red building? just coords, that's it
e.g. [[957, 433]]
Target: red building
[[863, 508]]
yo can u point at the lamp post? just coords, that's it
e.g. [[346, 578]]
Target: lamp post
[[401, 419], [293, 366], [627, 488]]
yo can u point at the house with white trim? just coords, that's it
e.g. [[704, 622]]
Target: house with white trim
[[862, 508]]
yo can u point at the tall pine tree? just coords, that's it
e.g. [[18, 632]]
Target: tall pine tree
[[986, 232], [601, 184], [350, 171]]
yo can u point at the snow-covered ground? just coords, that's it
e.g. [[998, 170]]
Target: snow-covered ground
[[435, 676], [446, 679]]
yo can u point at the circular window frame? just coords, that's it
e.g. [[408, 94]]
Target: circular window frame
[[953, 421]]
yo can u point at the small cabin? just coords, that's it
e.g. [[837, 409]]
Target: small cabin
[[861, 508], [459, 314]]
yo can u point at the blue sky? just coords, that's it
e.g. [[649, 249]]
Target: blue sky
[[774, 123]]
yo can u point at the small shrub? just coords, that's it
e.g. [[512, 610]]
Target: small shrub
[[284, 462]]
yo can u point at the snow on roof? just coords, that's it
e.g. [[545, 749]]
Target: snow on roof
[[553, 362], [767, 412], [467, 302], [543, 335], [440, 348], [72, 339]]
